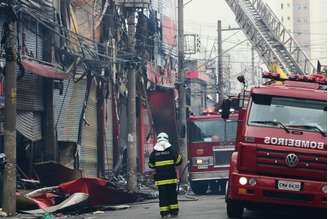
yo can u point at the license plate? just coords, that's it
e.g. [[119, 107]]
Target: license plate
[[289, 186], [202, 167]]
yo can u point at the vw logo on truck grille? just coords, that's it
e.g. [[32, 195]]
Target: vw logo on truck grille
[[291, 160]]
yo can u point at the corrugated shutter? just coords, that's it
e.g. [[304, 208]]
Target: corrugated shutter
[[29, 93], [88, 151], [108, 135], [33, 39], [29, 125], [29, 88], [68, 110]]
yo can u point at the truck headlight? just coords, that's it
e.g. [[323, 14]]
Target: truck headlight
[[324, 189], [242, 181], [199, 162]]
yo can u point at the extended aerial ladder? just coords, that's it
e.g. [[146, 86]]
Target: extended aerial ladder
[[271, 39]]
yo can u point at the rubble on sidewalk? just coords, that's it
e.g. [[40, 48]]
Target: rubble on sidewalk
[[76, 194], [82, 195], [65, 192]]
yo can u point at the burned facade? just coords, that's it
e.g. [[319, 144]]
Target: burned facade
[[72, 83]]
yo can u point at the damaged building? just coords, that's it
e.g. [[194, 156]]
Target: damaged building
[[72, 83]]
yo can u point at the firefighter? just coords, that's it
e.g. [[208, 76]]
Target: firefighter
[[164, 159]]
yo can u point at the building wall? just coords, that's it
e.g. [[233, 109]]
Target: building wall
[[307, 21], [284, 11], [318, 30], [302, 25]]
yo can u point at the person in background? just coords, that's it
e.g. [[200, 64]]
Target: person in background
[[163, 159]]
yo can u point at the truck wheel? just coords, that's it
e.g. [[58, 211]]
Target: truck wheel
[[234, 209], [226, 192], [199, 188]]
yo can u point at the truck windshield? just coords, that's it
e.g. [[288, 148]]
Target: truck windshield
[[212, 130], [288, 113]]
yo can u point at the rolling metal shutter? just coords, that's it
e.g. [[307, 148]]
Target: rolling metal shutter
[[68, 110], [29, 93], [29, 88], [34, 41], [88, 151], [29, 125]]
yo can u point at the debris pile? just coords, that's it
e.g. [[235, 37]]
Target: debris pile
[[80, 194]]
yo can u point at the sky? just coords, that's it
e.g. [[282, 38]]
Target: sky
[[201, 16]]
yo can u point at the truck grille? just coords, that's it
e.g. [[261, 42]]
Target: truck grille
[[274, 158], [222, 156]]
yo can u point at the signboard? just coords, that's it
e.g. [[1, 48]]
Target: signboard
[[133, 3], [169, 22], [168, 12]]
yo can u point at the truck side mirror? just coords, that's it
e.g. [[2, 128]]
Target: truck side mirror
[[242, 98], [241, 79], [225, 109]]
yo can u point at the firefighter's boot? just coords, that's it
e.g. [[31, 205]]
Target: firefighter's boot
[[164, 214]]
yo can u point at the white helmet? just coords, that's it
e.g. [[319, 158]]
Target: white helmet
[[162, 137]]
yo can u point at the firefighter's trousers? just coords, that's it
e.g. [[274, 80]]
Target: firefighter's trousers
[[168, 200]]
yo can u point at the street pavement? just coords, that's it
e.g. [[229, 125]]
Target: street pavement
[[201, 207]]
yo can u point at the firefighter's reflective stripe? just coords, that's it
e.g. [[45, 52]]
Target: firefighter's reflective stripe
[[172, 207], [151, 165], [164, 208], [165, 182], [178, 159], [164, 163]]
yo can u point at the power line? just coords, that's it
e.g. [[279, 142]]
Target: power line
[[235, 33]]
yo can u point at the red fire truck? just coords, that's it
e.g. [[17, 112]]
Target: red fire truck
[[281, 150], [210, 145]]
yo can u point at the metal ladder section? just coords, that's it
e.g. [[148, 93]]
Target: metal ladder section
[[269, 37]]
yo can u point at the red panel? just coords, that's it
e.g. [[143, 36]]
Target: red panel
[[197, 75], [162, 104]]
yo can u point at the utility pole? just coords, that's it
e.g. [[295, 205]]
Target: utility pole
[[220, 69], [9, 175], [182, 95], [253, 67], [132, 134]]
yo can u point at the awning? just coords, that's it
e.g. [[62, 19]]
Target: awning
[[197, 75], [43, 70]]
